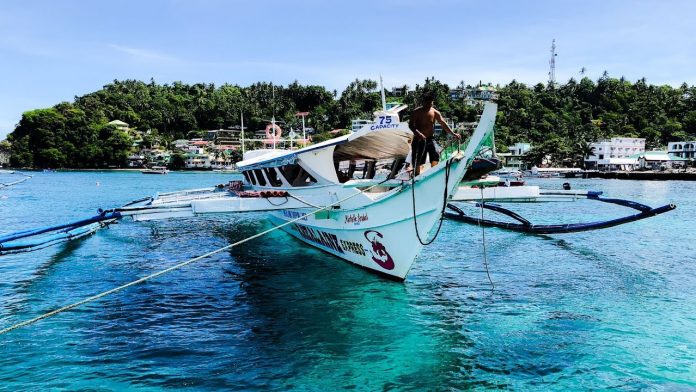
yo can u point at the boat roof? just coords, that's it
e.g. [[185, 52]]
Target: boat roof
[[371, 142]]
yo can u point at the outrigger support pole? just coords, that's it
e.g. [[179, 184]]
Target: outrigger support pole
[[526, 226], [20, 241]]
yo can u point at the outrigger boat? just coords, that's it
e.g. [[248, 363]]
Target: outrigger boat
[[367, 217], [345, 196]]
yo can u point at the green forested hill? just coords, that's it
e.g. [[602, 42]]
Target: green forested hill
[[558, 120]]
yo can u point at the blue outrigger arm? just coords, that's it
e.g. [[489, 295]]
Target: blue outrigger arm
[[28, 240], [526, 226]]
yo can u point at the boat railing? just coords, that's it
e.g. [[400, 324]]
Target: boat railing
[[188, 195], [186, 192], [358, 183]]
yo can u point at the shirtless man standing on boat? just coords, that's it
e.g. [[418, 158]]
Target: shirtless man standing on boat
[[421, 123]]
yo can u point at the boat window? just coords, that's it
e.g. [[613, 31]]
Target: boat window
[[295, 175], [345, 170], [249, 177], [259, 176], [272, 176], [368, 169], [304, 179], [290, 172]]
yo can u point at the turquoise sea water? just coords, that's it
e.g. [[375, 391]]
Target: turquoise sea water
[[612, 309]]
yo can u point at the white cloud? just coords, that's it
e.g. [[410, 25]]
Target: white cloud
[[146, 55]]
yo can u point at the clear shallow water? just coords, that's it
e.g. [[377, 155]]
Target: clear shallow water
[[607, 309]]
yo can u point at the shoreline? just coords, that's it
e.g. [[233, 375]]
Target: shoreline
[[118, 170], [644, 176]]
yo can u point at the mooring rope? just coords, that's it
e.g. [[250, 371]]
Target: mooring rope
[[172, 268], [414, 161]]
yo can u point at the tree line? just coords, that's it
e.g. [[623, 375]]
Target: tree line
[[558, 120]]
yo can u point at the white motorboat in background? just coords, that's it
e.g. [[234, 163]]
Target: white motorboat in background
[[156, 170]]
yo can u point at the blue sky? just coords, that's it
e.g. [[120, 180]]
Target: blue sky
[[51, 51]]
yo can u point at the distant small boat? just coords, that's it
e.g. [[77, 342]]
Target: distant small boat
[[507, 172], [156, 170]]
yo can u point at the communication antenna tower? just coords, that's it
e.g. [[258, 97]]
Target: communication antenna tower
[[552, 63]]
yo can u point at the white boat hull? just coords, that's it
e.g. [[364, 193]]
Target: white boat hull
[[380, 236]]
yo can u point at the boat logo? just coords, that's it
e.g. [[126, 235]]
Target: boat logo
[[379, 252]]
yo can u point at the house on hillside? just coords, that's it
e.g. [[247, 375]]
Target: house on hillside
[[120, 125], [198, 161], [399, 91], [475, 96]]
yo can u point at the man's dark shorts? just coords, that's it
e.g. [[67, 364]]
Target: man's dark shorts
[[420, 148]]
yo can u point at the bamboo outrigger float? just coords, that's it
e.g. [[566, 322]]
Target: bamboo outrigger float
[[523, 225]]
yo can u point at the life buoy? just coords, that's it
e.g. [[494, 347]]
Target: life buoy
[[278, 131]]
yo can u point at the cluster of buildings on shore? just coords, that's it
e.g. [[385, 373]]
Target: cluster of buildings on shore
[[218, 149], [617, 153], [215, 151]]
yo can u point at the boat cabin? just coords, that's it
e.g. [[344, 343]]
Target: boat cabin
[[376, 152]]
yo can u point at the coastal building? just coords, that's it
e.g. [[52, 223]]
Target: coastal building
[[222, 159], [399, 91], [260, 134], [120, 125], [180, 143], [136, 160], [475, 96], [682, 149], [156, 155], [198, 161], [658, 160], [437, 128], [617, 153], [224, 136], [457, 93], [355, 125], [514, 158], [228, 137]]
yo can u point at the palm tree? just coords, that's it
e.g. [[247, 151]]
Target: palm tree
[[582, 151]]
